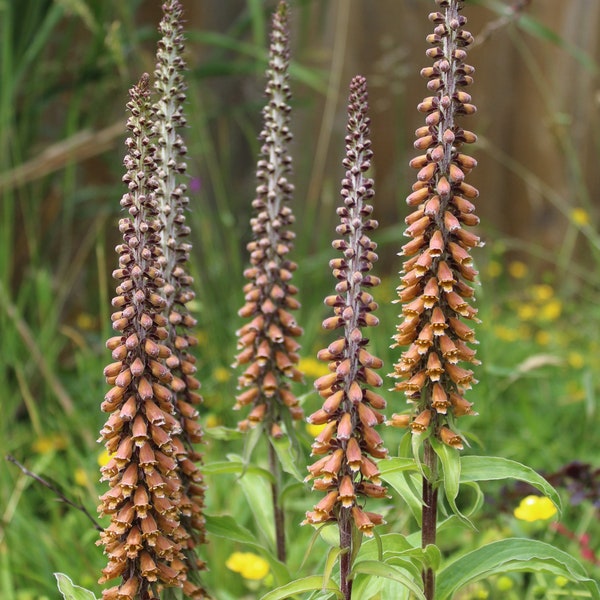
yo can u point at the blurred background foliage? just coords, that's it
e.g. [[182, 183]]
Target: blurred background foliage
[[65, 68]]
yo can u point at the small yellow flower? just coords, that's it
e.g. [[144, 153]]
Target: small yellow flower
[[576, 360], [315, 430], [580, 217], [221, 374], [526, 312], [494, 269], [311, 367], [535, 508], [248, 565], [201, 336], [104, 458], [85, 321], [506, 334], [542, 292], [518, 269], [504, 583], [561, 581], [551, 310], [212, 420], [49, 443], [81, 477], [543, 338]]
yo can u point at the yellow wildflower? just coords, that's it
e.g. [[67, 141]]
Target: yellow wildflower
[[551, 310], [542, 338], [527, 311], [518, 269], [49, 443], [542, 292], [212, 420], [561, 581], [506, 334], [81, 477], [201, 336], [221, 374], [580, 217], [85, 321], [576, 360], [104, 458], [248, 565], [504, 583], [311, 367], [535, 508], [315, 430], [494, 269]]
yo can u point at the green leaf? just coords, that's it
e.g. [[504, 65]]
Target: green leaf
[[307, 584], [492, 468], [250, 441], [332, 556], [538, 29], [70, 591], [404, 574], [223, 433], [225, 467], [507, 556], [451, 467], [397, 473], [288, 456]]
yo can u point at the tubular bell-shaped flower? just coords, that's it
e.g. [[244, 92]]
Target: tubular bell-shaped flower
[[345, 470], [144, 539], [172, 200], [268, 350], [435, 289]]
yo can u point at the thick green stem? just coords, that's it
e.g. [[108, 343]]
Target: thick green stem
[[429, 514], [278, 514], [345, 524]]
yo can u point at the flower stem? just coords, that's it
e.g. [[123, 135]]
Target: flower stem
[[429, 514], [345, 525], [278, 513]]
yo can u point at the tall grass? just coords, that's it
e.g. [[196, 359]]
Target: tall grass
[[65, 68]]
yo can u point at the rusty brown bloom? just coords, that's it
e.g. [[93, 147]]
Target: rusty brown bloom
[[169, 120], [345, 470], [144, 539], [436, 291], [268, 350]]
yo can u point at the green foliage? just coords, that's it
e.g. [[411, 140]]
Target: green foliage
[[70, 591], [64, 74]]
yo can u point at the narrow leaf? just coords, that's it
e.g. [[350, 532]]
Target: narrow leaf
[[288, 457], [507, 556], [451, 467], [492, 468], [393, 572], [307, 584], [70, 591]]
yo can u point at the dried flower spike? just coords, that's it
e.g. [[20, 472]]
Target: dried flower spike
[[172, 199], [345, 470], [435, 288], [268, 350], [144, 539]]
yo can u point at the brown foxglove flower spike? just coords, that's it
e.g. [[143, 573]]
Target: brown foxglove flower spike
[[268, 350], [172, 199], [345, 469], [144, 539], [435, 288]]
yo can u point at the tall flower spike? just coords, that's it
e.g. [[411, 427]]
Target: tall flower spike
[[268, 350], [143, 541], [171, 195], [345, 470], [435, 288]]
